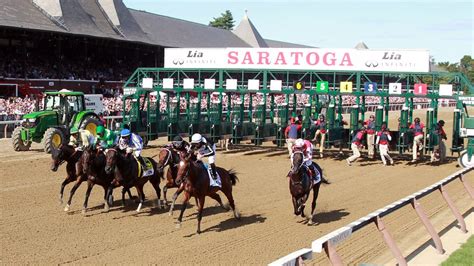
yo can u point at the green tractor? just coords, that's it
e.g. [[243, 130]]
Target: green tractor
[[61, 111]]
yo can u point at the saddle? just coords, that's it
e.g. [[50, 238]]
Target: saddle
[[213, 183], [145, 169]]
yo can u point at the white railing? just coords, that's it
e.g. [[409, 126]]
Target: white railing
[[329, 241]]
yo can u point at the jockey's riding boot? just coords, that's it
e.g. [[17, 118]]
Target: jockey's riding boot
[[213, 171]]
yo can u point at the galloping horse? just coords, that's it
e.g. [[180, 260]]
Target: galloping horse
[[301, 185], [197, 184], [128, 173], [74, 171], [93, 165], [170, 157]]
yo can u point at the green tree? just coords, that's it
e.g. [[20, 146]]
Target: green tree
[[225, 21], [466, 66]]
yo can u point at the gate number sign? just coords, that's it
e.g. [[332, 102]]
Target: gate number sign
[[420, 89], [322, 86], [346, 86]]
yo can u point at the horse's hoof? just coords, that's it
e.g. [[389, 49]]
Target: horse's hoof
[[178, 225], [198, 232], [67, 207], [237, 215], [84, 211], [106, 208]]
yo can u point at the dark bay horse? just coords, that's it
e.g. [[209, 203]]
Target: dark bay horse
[[301, 185], [197, 184], [170, 157], [126, 172], [93, 165], [74, 171]]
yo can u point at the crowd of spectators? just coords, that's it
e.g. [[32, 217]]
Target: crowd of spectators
[[14, 108], [40, 66]]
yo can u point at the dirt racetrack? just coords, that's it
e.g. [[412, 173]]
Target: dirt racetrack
[[35, 229]]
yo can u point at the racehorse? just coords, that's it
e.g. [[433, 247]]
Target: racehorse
[[93, 165], [301, 185], [128, 173], [197, 184], [170, 157], [74, 171]]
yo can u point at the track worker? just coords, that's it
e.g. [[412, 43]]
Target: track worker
[[370, 125], [383, 139], [131, 143], [291, 134], [81, 139], [106, 138], [356, 143], [439, 151], [205, 148], [320, 131], [306, 147], [417, 128]]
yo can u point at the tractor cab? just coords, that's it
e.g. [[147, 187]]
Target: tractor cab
[[66, 105]]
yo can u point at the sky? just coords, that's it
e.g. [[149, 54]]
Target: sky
[[445, 28]]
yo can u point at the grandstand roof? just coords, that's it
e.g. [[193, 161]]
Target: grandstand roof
[[279, 44], [247, 32], [112, 19], [173, 32]]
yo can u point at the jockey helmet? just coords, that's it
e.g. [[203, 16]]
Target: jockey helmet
[[125, 132], [74, 130], [177, 141], [196, 138], [441, 122], [100, 130], [299, 143]]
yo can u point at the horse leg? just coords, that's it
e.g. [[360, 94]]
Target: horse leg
[[228, 193], [88, 193], [175, 196], [61, 191], [108, 195], [201, 201], [313, 204], [303, 203], [217, 198], [141, 195], [183, 208], [106, 204], [73, 190], [165, 189], [156, 185], [295, 206]]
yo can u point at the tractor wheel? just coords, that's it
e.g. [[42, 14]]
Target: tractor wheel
[[18, 143], [464, 161], [52, 139], [90, 124]]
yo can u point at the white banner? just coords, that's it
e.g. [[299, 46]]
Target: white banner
[[299, 58]]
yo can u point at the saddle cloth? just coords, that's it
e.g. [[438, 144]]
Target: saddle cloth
[[212, 182], [147, 169], [317, 178]]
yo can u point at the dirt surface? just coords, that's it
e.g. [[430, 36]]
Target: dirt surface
[[35, 229]]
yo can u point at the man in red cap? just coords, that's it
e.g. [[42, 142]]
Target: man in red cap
[[370, 125], [291, 134], [383, 138]]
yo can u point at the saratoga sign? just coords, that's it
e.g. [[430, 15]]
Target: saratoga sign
[[299, 58]]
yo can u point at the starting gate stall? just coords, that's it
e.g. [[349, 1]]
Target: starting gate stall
[[282, 117], [464, 128], [195, 124], [237, 121], [139, 113], [173, 118]]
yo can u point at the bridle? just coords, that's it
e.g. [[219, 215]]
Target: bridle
[[168, 156], [295, 171], [65, 160]]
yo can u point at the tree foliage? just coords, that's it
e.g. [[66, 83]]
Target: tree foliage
[[465, 66], [225, 21]]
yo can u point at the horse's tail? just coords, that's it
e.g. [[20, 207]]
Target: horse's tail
[[233, 176], [323, 176], [324, 180]]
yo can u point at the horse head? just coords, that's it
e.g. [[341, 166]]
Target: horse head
[[60, 155], [110, 160], [183, 167], [297, 160]]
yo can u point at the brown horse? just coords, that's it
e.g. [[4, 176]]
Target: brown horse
[[169, 157], [93, 165], [197, 184], [301, 185], [126, 172], [66, 153]]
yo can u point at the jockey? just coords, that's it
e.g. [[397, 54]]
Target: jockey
[[131, 142], [291, 134], [81, 139], [205, 148], [306, 147], [180, 145], [105, 138], [383, 139], [356, 143], [370, 125], [320, 130], [417, 129]]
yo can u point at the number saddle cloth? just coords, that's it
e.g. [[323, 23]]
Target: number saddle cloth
[[145, 170], [212, 182]]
